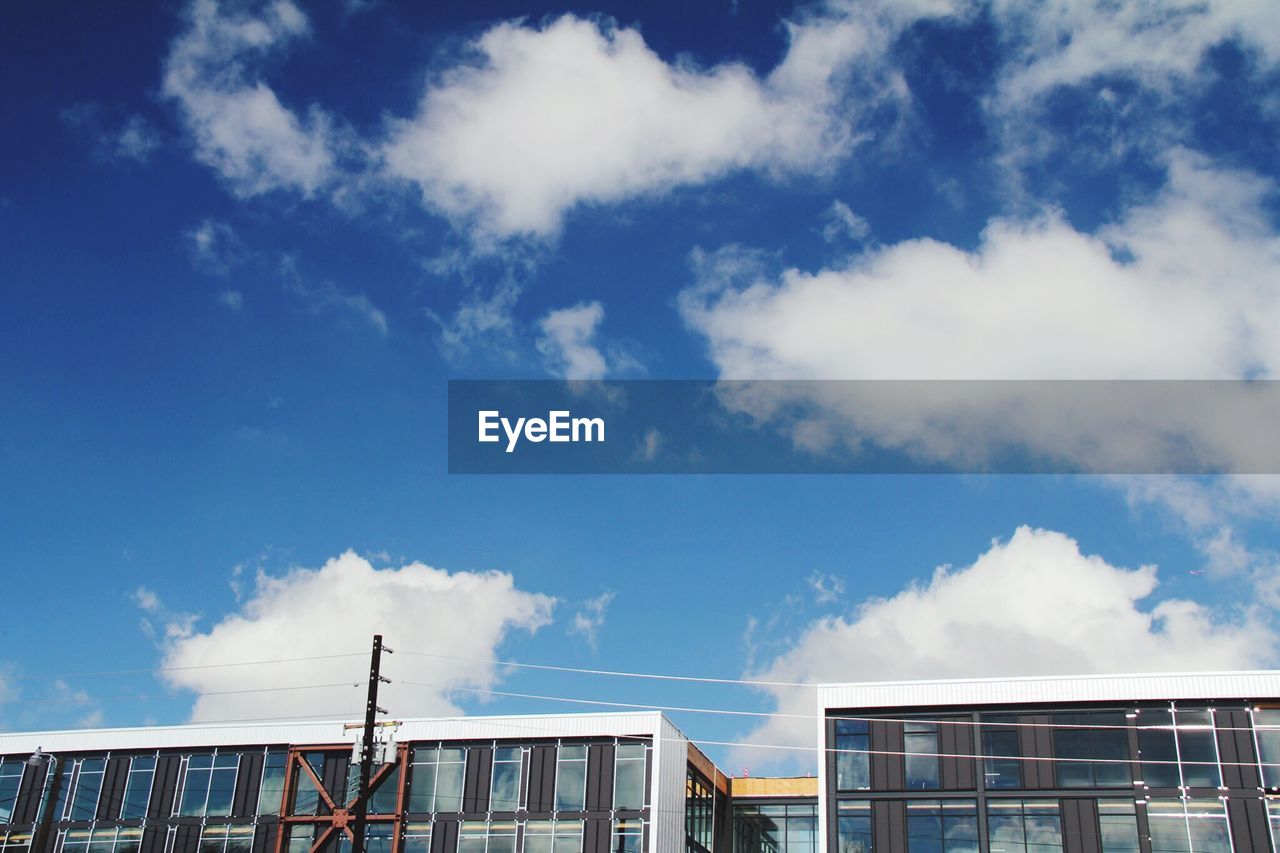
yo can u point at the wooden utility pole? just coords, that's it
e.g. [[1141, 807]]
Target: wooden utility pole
[[371, 711]]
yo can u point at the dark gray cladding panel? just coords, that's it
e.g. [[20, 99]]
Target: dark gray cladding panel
[[888, 770], [113, 782], [889, 826], [444, 836], [1248, 817], [187, 839], [956, 773], [596, 836], [245, 801], [542, 778], [1235, 749], [164, 788], [1035, 739], [600, 758], [1080, 826], [29, 788], [475, 790], [153, 838], [264, 838]]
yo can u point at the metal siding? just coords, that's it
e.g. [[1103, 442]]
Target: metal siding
[[1022, 691], [187, 839], [1235, 747], [671, 760], [542, 778], [164, 787], [264, 837], [514, 727], [245, 801], [1248, 819], [113, 782], [29, 788], [334, 777], [479, 772], [600, 758], [153, 838], [444, 836]]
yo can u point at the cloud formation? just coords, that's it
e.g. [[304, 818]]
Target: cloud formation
[[583, 112], [335, 610], [240, 128], [1033, 605]]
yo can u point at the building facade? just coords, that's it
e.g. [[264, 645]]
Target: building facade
[[1109, 764], [589, 783]]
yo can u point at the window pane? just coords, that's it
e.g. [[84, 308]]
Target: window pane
[[628, 780], [1199, 749], [272, 789], [1001, 749], [504, 793], [137, 792], [422, 791], [10, 782], [449, 778], [84, 804], [853, 828], [1158, 749], [1168, 825], [571, 778], [921, 746], [853, 762]]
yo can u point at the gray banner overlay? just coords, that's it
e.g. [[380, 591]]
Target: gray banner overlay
[[864, 427]]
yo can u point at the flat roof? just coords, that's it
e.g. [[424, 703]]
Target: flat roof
[[1131, 687], [270, 732]]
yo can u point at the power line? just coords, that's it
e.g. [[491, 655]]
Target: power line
[[159, 669]]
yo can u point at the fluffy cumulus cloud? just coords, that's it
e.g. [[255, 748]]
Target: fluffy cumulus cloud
[[1181, 287], [567, 341], [335, 610], [1033, 605], [581, 112], [240, 128]]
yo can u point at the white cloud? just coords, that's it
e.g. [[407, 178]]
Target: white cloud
[[146, 600], [133, 138], [327, 295], [240, 128], [1181, 287], [841, 223], [1034, 605], [232, 299], [568, 341], [89, 715], [826, 588], [336, 609], [214, 247], [583, 112], [589, 619]]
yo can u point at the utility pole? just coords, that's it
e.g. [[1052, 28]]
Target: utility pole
[[371, 711]]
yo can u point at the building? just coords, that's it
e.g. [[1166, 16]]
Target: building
[[542, 784], [1184, 763], [1102, 764]]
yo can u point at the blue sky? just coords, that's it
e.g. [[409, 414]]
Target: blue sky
[[243, 247]]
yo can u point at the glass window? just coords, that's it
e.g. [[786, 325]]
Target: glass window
[[226, 839], [853, 827], [1197, 748], [628, 837], [1001, 751], [306, 796], [553, 836], [1158, 749], [1093, 750], [920, 742], [1188, 826], [571, 778], [853, 761], [1118, 826], [377, 838], [122, 840], [271, 791], [1266, 728], [209, 784], [385, 789], [1024, 826], [137, 788], [477, 836], [504, 792], [436, 780], [417, 837], [628, 776], [699, 808], [10, 782], [83, 780], [942, 826]]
